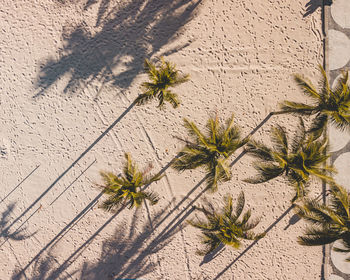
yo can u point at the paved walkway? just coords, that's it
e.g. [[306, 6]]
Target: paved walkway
[[338, 58]]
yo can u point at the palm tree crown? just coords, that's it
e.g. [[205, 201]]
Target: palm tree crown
[[210, 149], [225, 227], [161, 80], [298, 160], [332, 104], [126, 189], [328, 222]]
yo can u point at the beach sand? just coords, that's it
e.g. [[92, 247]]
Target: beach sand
[[70, 68]]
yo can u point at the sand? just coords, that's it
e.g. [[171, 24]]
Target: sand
[[70, 68]]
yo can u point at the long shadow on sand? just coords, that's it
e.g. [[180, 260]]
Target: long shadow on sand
[[64, 173], [19, 184], [253, 243], [181, 216], [293, 220], [170, 227], [59, 236], [125, 35], [125, 255], [313, 5], [4, 220]]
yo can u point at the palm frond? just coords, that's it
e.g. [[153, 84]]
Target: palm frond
[[216, 174], [325, 91], [328, 223], [317, 236], [150, 69], [210, 150], [297, 108], [259, 150], [246, 217], [251, 224], [299, 137], [224, 227], [126, 189], [279, 139], [307, 87], [318, 125], [252, 236], [340, 200], [113, 202], [342, 83], [181, 78], [193, 131], [240, 205], [143, 98], [160, 80], [172, 98], [190, 157], [327, 102], [152, 197], [211, 242], [266, 172], [150, 179]]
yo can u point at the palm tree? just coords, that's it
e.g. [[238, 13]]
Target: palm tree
[[225, 227], [298, 160], [126, 190], [328, 222], [161, 80], [210, 150], [328, 104]]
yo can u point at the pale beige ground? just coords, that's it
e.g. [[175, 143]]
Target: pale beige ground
[[69, 68]]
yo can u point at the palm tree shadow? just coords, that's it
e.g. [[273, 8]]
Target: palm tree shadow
[[115, 54], [5, 232], [125, 254], [41, 270], [212, 255], [313, 5]]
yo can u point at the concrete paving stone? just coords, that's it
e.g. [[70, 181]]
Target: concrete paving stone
[[337, 139], [342, 164], [338, 51], [335, 277], [340, 11], [339, 259]]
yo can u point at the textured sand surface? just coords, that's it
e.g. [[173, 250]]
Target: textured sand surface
[[68, 69]]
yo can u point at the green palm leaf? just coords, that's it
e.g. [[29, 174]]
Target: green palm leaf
[[327, 223], [329, 104], [161, 79], [297, 108], [210, 149], [224, 226], [126, 190], [307, 87], [316, 237], [298, 162]]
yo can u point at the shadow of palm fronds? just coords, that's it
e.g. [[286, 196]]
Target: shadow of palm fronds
[[124, 37], [17, 235], [128, 253]]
